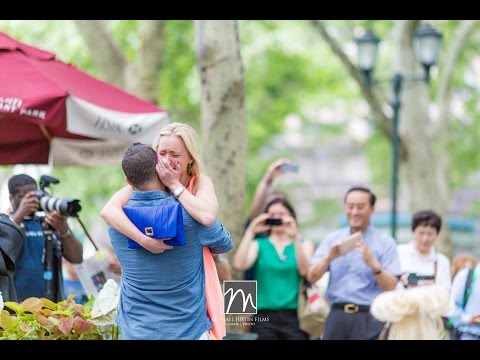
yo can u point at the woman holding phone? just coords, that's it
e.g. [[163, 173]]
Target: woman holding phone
[[281, 262]]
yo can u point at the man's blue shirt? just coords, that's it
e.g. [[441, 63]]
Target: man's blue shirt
[[29, 275], [351, 279]]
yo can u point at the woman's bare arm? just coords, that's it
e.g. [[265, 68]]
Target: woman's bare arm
[[203, 206], [247, 252]]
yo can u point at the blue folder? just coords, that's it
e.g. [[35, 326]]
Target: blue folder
[[159, 222]]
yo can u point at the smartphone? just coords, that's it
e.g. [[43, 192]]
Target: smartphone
[[349, 244], [288, 168], [273, 222]]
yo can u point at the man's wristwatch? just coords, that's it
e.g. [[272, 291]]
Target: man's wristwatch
[[178, 191]]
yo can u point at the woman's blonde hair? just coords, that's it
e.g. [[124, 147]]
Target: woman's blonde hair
[[462, 260], [190, 139], [414, 314]]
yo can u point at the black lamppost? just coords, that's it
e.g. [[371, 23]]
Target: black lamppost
[[426, 44]]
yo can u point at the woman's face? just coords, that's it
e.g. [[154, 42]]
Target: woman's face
[[173, 149], [424, 236]]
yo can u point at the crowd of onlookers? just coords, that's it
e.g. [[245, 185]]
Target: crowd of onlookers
[[376, 288]]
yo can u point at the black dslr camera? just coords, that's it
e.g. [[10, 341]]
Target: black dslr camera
[[67, 206], [273, 222], [413, 278]]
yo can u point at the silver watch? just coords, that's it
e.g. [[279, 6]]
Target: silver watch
[[178, 191]]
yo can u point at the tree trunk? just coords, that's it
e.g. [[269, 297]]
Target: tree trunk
[[419, 163], [141, 78], [104, 50], [224, 132], [442, 134]]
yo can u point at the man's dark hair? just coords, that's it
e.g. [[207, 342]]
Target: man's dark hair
[[372, 197], [17, 181], [138, 164], [285, 203], [426, 218]]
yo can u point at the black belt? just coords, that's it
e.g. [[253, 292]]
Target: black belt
[[351, 308]]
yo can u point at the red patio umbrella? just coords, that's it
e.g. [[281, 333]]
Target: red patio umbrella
[[51, 111]]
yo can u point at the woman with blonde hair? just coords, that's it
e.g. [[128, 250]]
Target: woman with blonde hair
[[462, 260], [178, 167], [413, 314]]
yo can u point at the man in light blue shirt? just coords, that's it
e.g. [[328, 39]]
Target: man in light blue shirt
[[358, 276], [162, 296], [467, 314]]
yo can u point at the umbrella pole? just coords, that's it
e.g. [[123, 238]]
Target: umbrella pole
[[45, 132]]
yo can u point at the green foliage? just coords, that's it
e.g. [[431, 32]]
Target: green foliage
[[326, 210], [282, 76], [126, 34], [288, 70], [378, 27], [275, 99], [93, 186], [463, 148], [179, 81], [464, 132]]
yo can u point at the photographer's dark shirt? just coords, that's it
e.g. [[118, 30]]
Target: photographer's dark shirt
[[29, 276]]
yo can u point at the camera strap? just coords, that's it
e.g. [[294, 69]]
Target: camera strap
[[87, 233], [435, 269], [471, 276]]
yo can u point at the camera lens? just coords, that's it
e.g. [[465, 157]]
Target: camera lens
[[412, 279], [67, 207]]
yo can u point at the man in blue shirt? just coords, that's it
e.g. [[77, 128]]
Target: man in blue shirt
[[162, 296], [33, 277], [358, 276]]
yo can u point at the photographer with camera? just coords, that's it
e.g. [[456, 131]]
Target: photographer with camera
[[280, 260], [46, 238], [420, 262]]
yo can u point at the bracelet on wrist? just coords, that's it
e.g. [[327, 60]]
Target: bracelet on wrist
[[178, 191], [378, 272]]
